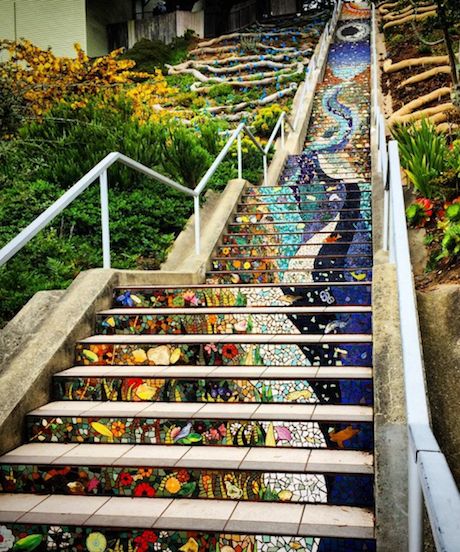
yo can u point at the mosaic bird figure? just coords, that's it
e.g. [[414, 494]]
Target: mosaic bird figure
[[183, 432], [343, 435]]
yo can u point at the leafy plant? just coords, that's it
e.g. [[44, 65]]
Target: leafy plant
[[419, 212], [450, 244], [424, 155], [266, 119], [183, 156]]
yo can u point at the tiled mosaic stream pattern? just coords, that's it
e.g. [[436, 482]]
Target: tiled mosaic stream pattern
[[295, 264]]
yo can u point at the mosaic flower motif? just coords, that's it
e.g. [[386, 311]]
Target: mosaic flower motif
[[144, 489], [229, 351], [96, 542], [6, 539], [144, 540]]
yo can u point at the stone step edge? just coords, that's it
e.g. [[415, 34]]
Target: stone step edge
[[206, 411], [219, 372], [180, 456], [231, 310], [187, 514]]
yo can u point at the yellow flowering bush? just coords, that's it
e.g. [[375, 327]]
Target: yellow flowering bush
[[266, 119], [45, 79]]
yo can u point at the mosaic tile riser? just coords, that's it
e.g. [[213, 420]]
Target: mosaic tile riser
[[151, 481], [43, 538], [201, 432], [226, 354], [142, 389], [214, 324], [243, 297]]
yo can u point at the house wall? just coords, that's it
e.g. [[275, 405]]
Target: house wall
[[47, 23], [282, 7], [99, 14]]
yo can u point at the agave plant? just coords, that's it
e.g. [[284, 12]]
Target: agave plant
[[424, 155]]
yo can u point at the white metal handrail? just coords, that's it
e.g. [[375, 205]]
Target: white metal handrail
[[99, 171], [430, 480]]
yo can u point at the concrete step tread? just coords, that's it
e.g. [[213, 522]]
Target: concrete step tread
[[233, 338], [197, 515], [229, 372], [251, 458], [249, 411]]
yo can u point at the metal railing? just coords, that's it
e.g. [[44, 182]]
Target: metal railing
[[430, 480], [100, 172]]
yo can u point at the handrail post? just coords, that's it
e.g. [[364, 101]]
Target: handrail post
[[103, 182], [265, 170], [282, 133], [240, 158], [196, 205], [415, 507]]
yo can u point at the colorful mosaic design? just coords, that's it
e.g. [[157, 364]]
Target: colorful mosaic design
[[226, 354], [215, 324], [314, 227], [67, 538], [128, 388], [243, 297], [256, 486], [164, 431]]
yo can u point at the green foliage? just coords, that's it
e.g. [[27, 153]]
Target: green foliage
[[453, 212], [12, 109], [155, 54], [266, 120], [450, 245], [415, 214], [49, 157], [221, 92], [424, 155], [183, 155]]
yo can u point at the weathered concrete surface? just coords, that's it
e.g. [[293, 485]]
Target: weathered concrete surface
[[389, 411], [27, 322], [439, 315], [418, 251], [214, 217], [25, 379]]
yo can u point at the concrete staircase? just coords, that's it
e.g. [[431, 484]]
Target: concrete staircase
[[234, 415]]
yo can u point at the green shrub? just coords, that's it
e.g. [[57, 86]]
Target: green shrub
[[424, 155], [183, 156], [266, 119]]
